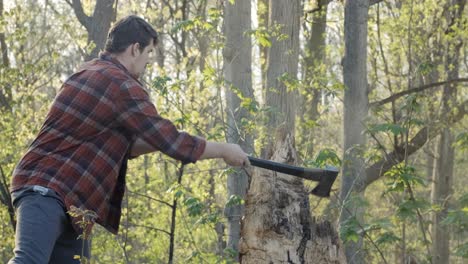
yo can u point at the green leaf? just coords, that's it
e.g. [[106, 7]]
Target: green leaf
[[464, 200], [457, 218], [426, 67], [181, 121], [234, 200], [327, 157], [178, 194], [184, 25], [214, 13], [177, 190], [387, 238], [462, 250], [350, 229], [211, 218], [194, 206], [408, 208], [402, 176], [261, 35], [461, 141], [160, 84], [387, 127], [264, 41]]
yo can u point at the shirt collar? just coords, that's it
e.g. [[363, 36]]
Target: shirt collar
[[107, 56]]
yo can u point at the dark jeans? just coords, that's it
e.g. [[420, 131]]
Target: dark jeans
[[43, 230]]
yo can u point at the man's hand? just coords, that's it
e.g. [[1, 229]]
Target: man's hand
[[232, 154]]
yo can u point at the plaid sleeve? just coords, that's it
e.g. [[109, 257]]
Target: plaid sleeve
[[140, 117]]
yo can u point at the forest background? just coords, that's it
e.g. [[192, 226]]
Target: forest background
[[376, 88]]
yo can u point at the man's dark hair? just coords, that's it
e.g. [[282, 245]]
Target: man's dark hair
[[129, 30]]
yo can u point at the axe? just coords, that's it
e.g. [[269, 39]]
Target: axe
[[325, 177]]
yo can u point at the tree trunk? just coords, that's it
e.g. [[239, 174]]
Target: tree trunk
[[314, 57], [442, 180], [97, 25], [5, 93], [6, 96], [355, 112], [3, 46], [238, 79], [262, 16], [440, 195], [278, 226]]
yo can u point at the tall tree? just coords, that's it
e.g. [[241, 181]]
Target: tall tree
[[262, 17], [97, 25], [314, 70], [278, 227], [355, 113], [238, 81], [442, 180], [5, 94]]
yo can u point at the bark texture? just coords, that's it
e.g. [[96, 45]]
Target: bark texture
[[442, 181], [262, 16], [97, 25], [238, 80], [355, 113], [278, 226], [5, 93], [315, 56]]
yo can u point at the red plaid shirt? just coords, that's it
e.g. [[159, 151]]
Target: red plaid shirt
[[82, 148]]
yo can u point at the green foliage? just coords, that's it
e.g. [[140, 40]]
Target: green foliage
[[461, 141], [457, 219], [160, 83], [395, 129], [387, 238], [350, 230], [401, 177], [290, 82], [407, 210], [261, 35], [234, 200], [194, 206], [187, 25], [325, 157], [46, 43], [462, 250], [247, 103]]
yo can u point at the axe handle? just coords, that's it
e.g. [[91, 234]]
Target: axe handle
[[305, 173]]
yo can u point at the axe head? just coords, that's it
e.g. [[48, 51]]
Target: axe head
[[325, 177], [326, 181]]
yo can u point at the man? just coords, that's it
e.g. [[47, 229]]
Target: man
[[101, 117]]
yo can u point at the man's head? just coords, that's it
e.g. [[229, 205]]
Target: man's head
[[131, 40]]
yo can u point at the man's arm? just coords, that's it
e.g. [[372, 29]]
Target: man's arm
[[232, 154], [141, 147]]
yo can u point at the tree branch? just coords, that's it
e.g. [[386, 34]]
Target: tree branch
[[151, 198], [373, 2], [414, 90], [6, 198], [318, 7], [378, 169], [84, 19], [313, 10], [151, 228]]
